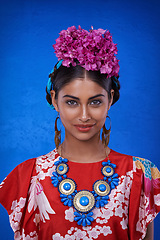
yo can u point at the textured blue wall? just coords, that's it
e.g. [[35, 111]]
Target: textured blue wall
[[28, 28]]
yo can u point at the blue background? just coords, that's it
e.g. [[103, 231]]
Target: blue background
[[28, 28]]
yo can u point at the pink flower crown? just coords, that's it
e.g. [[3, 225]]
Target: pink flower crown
[[94, 50]]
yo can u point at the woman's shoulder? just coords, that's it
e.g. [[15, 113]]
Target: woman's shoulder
[[128, 157], [51, 156], [33, 166], [28, 172], [41, 166], [42, 160], [139, 164], [119, 154], [121, 158], [148, 168]]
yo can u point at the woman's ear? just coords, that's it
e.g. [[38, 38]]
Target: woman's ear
[[111, 99], [54, 101]]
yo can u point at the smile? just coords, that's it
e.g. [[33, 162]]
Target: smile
[[84, 128]]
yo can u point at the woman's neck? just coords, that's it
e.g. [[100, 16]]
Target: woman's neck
[[88, 151]]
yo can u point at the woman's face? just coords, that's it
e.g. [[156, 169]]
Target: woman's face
[[83, 106]]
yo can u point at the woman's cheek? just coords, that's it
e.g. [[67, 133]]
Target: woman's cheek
[[99, 114], [68, 114]]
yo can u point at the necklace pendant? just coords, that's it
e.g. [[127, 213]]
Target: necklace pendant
[[83, 219], [84, 201], [67, 186], [101, 188]]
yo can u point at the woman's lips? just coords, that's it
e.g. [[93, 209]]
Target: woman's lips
[[84, 128]]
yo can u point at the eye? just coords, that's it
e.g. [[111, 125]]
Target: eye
[[96, 102], [71, 102]]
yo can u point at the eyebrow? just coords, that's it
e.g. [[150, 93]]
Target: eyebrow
[[76, 98]]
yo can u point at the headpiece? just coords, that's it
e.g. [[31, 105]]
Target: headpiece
[[94, 50]]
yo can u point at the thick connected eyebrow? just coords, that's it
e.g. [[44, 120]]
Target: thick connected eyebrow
[[76, 98]]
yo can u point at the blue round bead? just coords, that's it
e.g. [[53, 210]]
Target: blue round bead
[[61, 168], [67, 186], [108, 169], [102, 187], [84, 201]]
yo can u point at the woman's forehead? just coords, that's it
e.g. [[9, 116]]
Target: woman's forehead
[[81, 86]]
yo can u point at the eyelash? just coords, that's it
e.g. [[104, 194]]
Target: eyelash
[[69, 102], [74, 103], [96, 102]]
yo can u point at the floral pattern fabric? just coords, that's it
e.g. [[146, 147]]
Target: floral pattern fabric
[[36, 211]]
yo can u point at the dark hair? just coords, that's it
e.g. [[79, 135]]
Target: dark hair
[[63, 75]]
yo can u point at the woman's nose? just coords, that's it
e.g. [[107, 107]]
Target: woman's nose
[[84, 116]]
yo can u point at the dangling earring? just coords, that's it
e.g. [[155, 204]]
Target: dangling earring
[[106, 133], [57, 137]]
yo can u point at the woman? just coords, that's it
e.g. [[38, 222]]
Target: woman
[[83, 189]]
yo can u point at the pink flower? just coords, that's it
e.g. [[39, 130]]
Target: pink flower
[[69, 215], [93, 49], [106, 230], [14, 204], [57, 236], [107, 213], [22, 202], [118, 212], [80, 234], [93, 233], [157, 199], [124, 223], [68, 237], [18, 216]]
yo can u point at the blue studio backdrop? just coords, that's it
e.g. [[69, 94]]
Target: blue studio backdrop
[[28, 28]]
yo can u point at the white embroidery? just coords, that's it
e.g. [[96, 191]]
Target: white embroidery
[[94, 233], [37, 219], [68, 237], [45, 165], [16, 215], [157, 199], [106, 230], [124, 223], [79, 234], [69, 214], [38, 198], [30, 236], [1, 185], [144, 215], [57, 236], [117, 206]]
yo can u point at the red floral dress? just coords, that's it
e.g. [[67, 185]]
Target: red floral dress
[[36, 211]]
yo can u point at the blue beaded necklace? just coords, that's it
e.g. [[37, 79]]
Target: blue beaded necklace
[[84, 201]]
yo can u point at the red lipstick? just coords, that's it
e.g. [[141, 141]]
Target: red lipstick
[[84, 127]]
